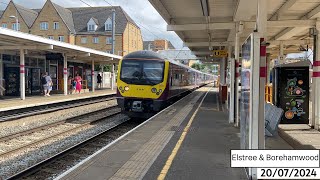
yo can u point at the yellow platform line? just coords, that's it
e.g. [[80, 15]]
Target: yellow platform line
[[175, 150]]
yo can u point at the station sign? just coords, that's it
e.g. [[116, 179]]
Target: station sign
[[220, 53]]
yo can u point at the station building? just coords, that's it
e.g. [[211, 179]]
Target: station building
[[89, 27]]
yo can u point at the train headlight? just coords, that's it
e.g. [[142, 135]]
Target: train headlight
[[160, 90], [126, 88], [120, 88], [153, 90]]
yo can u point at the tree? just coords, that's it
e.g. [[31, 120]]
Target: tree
[[106, 68], [198, 66]]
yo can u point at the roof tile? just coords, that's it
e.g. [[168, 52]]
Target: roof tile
[[28, 15]]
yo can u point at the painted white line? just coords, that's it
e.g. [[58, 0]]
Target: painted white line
[[115, 141]]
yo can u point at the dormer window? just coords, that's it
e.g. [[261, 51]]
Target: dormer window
[[108, 25], [92, 25]]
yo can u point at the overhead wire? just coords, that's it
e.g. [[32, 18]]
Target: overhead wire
[[85, 3], [140, 24]]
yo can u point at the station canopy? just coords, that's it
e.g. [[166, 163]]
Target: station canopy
[[13, 41], [206, 25]]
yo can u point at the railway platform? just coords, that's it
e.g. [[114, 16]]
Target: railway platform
[[189, 140], [32, 101]]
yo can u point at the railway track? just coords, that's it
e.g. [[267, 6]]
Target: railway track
[[57, 164], [54, 164], [16, 147], [31, 111], [52, 130]]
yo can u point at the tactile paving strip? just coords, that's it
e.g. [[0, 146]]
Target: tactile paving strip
[[137, 166]]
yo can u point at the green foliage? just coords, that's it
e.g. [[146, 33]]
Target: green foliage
[[207, 68], [106, 68], [198, 66]]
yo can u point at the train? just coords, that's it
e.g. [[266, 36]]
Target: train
[[146, 82]]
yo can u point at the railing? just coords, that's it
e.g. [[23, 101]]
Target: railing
[[268, 93]]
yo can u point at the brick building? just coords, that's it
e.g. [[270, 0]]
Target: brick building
[[88, 26], [85, 26], [157, 45]]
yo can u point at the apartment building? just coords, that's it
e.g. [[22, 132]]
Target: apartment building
[[84, 26]]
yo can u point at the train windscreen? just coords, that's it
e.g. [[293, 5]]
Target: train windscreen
[[142, 72]]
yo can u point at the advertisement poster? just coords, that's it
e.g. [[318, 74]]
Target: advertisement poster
[[12, 79], [245, 92], [293, 94]]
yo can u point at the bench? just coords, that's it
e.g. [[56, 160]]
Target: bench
[[273, 116]]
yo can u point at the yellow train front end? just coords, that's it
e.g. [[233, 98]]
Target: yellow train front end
[[142, 83]]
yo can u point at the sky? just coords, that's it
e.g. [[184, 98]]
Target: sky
[[141, 11]]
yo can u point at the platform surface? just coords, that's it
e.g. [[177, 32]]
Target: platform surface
[[142, 154], [300, 136], [16, 103]]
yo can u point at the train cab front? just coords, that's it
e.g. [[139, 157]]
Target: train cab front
[[141, 86]]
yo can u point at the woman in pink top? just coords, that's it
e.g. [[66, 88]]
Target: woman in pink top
[[78, 80]]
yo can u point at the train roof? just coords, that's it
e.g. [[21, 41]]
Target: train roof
[[153, 55], [144, 55]]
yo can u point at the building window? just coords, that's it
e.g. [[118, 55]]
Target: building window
[[109, 40], [84, 40], [108, 25], [91, 27], [44, 26], [14, 26], [95, 40], [50, 37], [56, 25], [4, 25], [61, 38]]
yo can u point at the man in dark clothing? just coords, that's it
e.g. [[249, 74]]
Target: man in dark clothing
[[99, 81]]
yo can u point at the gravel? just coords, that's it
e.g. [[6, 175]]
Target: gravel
[[11, 127], [27, 157], [45, 133]]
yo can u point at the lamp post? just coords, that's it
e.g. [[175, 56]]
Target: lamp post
[[17, 22]]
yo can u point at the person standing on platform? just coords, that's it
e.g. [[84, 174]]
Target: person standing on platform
[[99, 81], [46, 83], [78, 80]]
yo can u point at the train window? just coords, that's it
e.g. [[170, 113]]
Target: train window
[[142, 72]]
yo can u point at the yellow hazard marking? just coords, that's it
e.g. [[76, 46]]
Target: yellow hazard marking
[[175, 150]]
